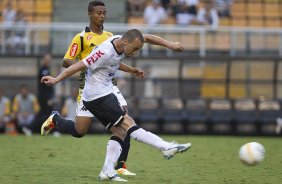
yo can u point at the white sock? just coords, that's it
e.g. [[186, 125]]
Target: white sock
[[112, 155], [150, 138]]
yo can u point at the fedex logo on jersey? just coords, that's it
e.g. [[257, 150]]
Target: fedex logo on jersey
[[94, 57], [73, 49]]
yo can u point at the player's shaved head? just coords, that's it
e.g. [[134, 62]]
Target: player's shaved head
[[92, 4], [132, 34]]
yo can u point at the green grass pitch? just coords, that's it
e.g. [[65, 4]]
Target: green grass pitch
[[66, 160]]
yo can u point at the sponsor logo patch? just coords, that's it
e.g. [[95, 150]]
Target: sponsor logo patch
[[94, 57], [73, 49], [89, 37]]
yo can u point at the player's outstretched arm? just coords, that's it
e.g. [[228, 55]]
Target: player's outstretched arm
[[48, 80], [132, 70], [68, 62], [156, 40]]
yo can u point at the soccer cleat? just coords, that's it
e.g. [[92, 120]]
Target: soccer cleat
[[48, 125], [105, 177], [175, 148], [125, 172]]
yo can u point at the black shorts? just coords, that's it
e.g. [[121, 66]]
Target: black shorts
[[107, 110]]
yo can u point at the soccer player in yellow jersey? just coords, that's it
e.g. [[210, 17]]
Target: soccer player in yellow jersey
[[82, 44]]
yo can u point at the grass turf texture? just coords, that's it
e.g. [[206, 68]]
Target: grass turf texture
[[66, 160]]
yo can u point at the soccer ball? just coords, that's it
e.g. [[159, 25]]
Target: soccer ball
[[252, 153]]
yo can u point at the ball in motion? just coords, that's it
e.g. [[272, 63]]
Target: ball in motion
[[252, 153]]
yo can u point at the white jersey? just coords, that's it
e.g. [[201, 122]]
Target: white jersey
[[101, 63]]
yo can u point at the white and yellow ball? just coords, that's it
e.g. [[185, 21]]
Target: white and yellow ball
[[252, 153]]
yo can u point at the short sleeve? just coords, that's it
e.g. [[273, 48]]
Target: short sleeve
[[74, 48]]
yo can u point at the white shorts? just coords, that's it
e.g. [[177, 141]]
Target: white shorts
[[119, 96], [82, 111]]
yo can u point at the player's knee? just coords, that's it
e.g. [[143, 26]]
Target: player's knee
[[118, 132], [81, 131], [128, 122]]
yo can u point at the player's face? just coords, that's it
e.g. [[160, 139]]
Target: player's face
[[132, 49], [98, 15]]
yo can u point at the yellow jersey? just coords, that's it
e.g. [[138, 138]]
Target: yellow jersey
[[82, 44]]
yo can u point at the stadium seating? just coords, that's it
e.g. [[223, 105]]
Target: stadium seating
[[245, 116], [34, 10], [196, 116], [256, 13], [269, 111], [43, 7], [171, 115], [244, 13], [244, 74], [131, 105], [149, 113], [220, 116]]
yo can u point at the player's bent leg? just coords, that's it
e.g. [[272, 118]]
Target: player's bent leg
[[82, 124], [127, 123], [83, 119], [118, 132], [64, 125]]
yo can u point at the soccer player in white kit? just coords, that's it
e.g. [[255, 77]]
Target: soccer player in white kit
[[98, 98]]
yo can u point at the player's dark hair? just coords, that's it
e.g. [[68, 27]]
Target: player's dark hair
[[132, 34], [92, 4]]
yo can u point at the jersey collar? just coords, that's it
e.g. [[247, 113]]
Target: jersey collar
[[87, 29], [115, 46]]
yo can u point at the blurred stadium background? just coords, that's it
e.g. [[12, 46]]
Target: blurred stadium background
[[228, 80]]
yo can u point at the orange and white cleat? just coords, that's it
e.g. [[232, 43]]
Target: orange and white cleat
[[107, 177], [125, 172], [49, 124]]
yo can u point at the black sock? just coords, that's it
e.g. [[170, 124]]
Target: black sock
[[124, 153], [67, 126]]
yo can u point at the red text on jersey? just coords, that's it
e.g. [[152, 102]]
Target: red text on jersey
[[89, 37], [73, 49], [94, 57]]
